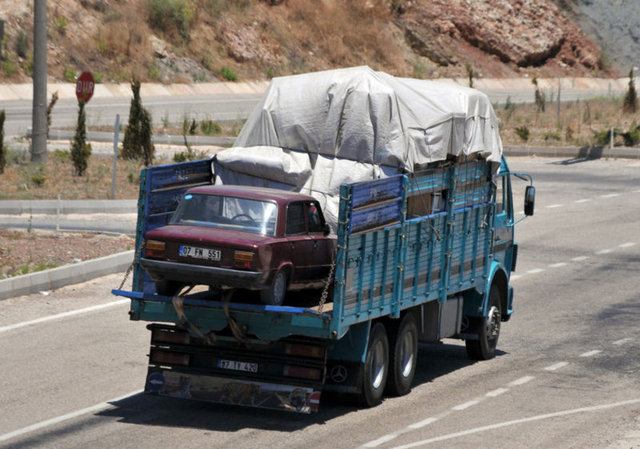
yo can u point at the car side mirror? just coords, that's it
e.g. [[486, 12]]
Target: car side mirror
[[529, 200], [326, 229]]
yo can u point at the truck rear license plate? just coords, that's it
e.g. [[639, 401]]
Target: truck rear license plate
[[200, 253], [238, 366]]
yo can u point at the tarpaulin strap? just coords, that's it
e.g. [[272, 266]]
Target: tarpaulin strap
[[178, 304], [237, 332]]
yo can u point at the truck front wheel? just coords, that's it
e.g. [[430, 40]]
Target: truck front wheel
[[484, 348], [376, 366], [404, 356]]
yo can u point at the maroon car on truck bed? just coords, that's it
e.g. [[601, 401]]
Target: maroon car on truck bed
[[241, 237]]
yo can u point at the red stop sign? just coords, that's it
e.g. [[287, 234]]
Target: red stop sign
[[84, 87]]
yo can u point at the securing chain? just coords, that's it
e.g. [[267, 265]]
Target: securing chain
[[327, 285], [130, 269]]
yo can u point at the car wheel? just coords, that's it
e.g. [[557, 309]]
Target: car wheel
[[274, 295]]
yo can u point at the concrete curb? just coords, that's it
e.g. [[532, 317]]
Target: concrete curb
[[574, 152], [65, 275], [24, 91], [53, 207]]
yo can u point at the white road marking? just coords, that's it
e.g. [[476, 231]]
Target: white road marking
[[515, 276], [383, 439], [622, 341], [535, 271], [466, 405], [554, 206], [556, 366], [423, 423], [590, 353], [558, 265], [580, 258], [68, 416], [603, 251], [627, 245], [482, 429], [585, 200], [611, 195], [496, 392], [63, 315], [521, 381]]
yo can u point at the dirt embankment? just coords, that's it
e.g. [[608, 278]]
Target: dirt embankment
[[205, 40]]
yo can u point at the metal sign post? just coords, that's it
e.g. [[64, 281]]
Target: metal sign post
[[116, 132]]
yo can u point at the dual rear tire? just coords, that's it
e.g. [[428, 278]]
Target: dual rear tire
[[390, 363]]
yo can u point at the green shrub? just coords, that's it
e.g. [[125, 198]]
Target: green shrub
[[60, 24], [22, 44], [552, 135], [167, 14], [52, 103], [62, 156], [9, 66], [522, 132], [209, 127], [632, 137], [69, 74], [228, 74]]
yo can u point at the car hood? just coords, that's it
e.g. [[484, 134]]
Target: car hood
[[202, 234]]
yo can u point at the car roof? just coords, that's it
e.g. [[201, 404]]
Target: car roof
[[259, 193]]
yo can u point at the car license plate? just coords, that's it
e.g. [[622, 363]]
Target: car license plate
[[238, 366], [200, 253]]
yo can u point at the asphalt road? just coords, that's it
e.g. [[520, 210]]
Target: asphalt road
[[567, 374], [216, 107]]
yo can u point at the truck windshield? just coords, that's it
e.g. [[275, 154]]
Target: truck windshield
[[226, 212]]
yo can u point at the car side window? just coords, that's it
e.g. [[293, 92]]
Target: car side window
[[314, 218], [295, 218]]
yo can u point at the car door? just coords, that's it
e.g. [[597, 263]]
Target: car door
[[321, 250], [299, 241]]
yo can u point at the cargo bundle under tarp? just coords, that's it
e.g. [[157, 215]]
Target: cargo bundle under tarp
[[314, 132]]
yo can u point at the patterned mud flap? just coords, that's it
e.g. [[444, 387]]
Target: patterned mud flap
[[300, 399]]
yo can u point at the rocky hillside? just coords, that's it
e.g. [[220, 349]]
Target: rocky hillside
[[206, 40]]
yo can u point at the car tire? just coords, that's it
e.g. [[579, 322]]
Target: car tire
[[275, 293]]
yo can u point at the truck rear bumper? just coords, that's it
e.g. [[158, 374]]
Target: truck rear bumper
[[224, 390], [199, 274]]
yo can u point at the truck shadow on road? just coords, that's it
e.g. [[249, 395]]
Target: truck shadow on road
[[434, 361]]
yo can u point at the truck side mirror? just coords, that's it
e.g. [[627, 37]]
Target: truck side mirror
[[529, 200]]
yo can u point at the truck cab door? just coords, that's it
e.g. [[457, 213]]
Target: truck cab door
[[503, 222]]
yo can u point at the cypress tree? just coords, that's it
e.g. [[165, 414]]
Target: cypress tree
[[137, 136], [631, 97], [3, 157], [80, 149]]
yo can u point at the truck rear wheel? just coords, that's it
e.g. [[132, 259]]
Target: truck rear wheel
[[404, 356], [484, 348], [376, 366]]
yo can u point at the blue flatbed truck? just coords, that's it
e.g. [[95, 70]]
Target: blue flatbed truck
[[420, 258]]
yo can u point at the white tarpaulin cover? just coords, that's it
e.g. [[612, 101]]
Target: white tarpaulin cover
[[314, 132]]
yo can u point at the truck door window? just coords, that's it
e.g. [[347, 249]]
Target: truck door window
[[314, 219], [295, 218], [500, 189]]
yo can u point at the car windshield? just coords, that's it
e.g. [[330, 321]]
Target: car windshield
[[227, 212]]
